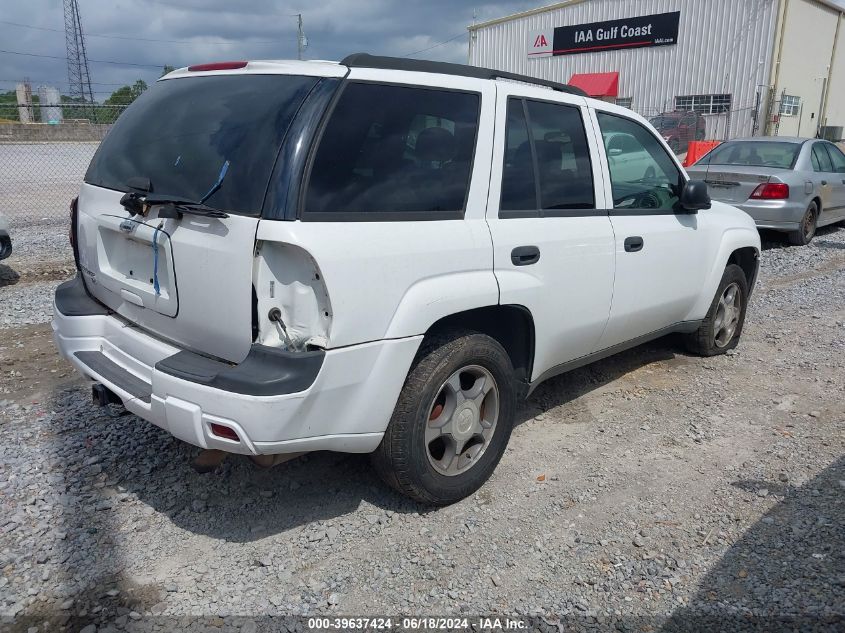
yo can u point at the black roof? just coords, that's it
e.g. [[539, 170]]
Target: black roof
[[365, 60]]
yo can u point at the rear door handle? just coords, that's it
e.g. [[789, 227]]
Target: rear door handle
[[525, 255], [633, 244], [824, 183]]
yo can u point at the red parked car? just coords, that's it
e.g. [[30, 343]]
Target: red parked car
[[679, 128]]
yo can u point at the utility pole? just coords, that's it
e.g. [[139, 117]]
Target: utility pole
[[300, 37]]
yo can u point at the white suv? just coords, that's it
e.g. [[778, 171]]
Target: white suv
[[381, 256]]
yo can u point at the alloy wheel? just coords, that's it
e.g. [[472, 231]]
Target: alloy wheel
[[727, 315], [462, 420], [808, 226]]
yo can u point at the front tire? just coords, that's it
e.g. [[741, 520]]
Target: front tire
[[722, 327], [807, 230], [452, 421]]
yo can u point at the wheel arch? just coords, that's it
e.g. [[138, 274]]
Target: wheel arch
[[511, 325], [747, 258], [738, 245]]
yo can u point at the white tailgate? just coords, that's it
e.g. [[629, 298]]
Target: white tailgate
[[203, 268]]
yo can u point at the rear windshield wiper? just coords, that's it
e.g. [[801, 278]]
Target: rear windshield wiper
[[138, 201], [172, 206]]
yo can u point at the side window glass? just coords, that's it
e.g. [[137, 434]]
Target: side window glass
[[519, 192], [837, 158], [821, 160], [395, 149], [646, 178], [563, 156]]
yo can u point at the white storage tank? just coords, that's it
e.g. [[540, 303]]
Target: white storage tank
[[51, 104]]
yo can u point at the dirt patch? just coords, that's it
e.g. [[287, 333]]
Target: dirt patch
[[29, 365]]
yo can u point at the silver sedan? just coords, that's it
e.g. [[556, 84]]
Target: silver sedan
[[786, 184]]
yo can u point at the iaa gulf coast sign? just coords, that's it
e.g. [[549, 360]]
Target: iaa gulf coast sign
[[638, 32]]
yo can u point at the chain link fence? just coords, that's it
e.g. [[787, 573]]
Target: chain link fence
[[42, 164]]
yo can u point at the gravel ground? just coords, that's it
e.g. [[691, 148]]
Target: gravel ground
[[651, 491]]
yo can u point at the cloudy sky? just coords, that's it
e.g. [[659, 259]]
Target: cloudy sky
[[152, 33], [132, 39]]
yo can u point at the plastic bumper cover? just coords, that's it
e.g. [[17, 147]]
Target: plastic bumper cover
[[780, 215], [275, 402]]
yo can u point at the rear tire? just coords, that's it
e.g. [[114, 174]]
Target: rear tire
[[809, 224], [722, 327], [418, 455]]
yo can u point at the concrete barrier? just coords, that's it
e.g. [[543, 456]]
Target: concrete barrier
[[46, 133]]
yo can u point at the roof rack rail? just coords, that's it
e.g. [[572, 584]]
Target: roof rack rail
[[365, 60]]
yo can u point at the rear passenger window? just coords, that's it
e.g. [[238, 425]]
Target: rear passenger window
[[547, 155], [837, 158], [563, 156], [821, 160], [395, 152], [519, 187]]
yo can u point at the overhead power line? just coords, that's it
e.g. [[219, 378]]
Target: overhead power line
[[133, 37], [92, 61], [423, 50], [62, 82]]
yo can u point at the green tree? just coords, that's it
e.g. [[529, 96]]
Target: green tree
[[119, 99], [127, 94]]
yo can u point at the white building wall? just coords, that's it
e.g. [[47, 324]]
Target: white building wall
[[805, 65], [724, 47]]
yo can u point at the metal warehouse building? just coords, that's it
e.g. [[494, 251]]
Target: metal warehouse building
[[750, 67]]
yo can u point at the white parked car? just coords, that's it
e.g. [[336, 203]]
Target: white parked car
[[381, 256], [5, 238]]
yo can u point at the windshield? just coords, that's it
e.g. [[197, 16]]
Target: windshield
[[181, 133], [753, 153]]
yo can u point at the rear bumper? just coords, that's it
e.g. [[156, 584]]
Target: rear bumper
[[5, 244], [779, 215], [341, 403]]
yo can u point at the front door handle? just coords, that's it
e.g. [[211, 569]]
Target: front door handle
[[633, 244], [525, 255]]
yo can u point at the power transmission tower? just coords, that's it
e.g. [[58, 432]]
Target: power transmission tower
[[78, 76]]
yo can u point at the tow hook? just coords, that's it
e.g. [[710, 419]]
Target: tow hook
[[102, 396]]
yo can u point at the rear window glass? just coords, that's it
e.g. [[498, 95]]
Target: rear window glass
[[557, 147], [394, 150], [181, 132], [753, 153]]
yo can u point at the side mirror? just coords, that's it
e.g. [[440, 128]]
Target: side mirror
[[695, 197]]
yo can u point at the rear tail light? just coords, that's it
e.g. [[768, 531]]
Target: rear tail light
[[771, 191], [225, 432], [72, 230], [217, 66]]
